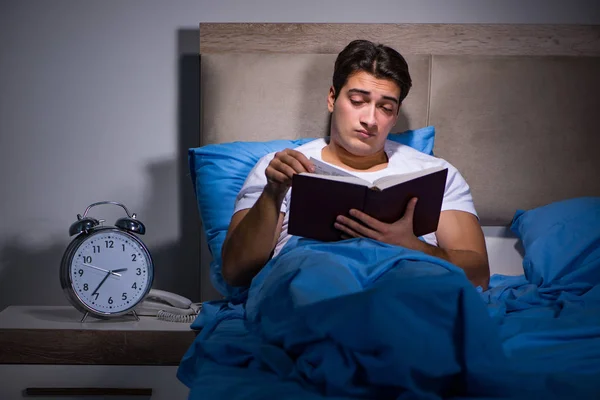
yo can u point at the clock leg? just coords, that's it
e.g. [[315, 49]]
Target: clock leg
[[135, 315], [84, 317]]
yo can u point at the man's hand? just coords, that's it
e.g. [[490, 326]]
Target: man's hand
[[459, 235], [399, 233], [283, 167], [253, 232]]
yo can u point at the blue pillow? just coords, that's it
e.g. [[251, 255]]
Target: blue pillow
[[218, 172], [561, 241], [421, 139]]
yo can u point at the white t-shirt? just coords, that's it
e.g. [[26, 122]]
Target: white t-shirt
[[401, 159]]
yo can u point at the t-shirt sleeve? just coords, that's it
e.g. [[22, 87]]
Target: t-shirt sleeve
[[458, 193], [254, 186]]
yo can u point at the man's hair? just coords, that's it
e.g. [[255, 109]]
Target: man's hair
[[378, 60]]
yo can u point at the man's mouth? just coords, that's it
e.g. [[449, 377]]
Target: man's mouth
[[365, 134]]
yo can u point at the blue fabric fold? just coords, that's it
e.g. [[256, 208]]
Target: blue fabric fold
[[547, 329], [362, 319]]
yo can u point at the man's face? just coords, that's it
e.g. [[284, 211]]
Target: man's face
[[364, 113]]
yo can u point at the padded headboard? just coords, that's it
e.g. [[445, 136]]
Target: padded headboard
[[515, 107]]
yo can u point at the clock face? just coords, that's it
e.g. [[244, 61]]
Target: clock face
[[110, 271]]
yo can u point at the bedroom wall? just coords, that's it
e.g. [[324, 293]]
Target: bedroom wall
[[98, 100]]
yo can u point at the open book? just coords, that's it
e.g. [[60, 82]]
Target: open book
[[318, 198]]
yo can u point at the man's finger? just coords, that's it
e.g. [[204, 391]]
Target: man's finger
[[344, 222], [277, 177], [410, 208], [345, 230], [284, 168], [348, 233], [293, 163], [366, 219], [302, 159]]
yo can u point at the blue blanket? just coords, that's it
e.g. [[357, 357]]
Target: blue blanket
[[361, 319]]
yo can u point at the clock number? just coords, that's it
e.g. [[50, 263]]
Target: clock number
[[96, 294], [96, 249], [110, 300], [87, 259], [133, 258], [85, 287], [80, 272], [134, 286], [124, 297], [109, 244], [123, 247], [138, 271]]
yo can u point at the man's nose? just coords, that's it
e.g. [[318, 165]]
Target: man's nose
[[368, 116]]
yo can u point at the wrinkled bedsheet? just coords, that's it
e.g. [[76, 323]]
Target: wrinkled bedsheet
[[362, 319]]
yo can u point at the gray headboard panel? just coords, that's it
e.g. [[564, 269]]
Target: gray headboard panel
[[281, 96], [522, 130], [515, 107]]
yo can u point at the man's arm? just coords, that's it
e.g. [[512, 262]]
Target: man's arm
[[253, 233], [459, 235], [250, 240], [461, 242]]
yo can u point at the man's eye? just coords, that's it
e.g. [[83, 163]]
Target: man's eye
[[387, 109], [356, 102]]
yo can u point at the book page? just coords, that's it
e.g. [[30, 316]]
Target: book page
[[391, 180], [326, 171], [338, 178], [323, 168]]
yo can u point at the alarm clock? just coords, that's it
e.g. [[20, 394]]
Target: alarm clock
[[106, 270]]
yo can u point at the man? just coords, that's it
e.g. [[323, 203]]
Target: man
[[369, 84]]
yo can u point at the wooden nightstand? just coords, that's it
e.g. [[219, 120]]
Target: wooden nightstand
[[46, 351]]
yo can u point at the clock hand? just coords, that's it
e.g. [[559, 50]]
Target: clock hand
[[103, 280], [102, 269], [114, 271], [93, 266]]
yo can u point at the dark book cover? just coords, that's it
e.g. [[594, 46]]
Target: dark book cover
[[316, 203]]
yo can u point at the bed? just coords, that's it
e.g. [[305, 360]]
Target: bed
[[515, 109]]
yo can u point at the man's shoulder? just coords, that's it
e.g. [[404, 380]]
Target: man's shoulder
[[401, 154], [401, 151], [312, 146], [305, 148]]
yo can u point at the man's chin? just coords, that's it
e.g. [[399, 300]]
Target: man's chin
[[357, 146], [361, 148]]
